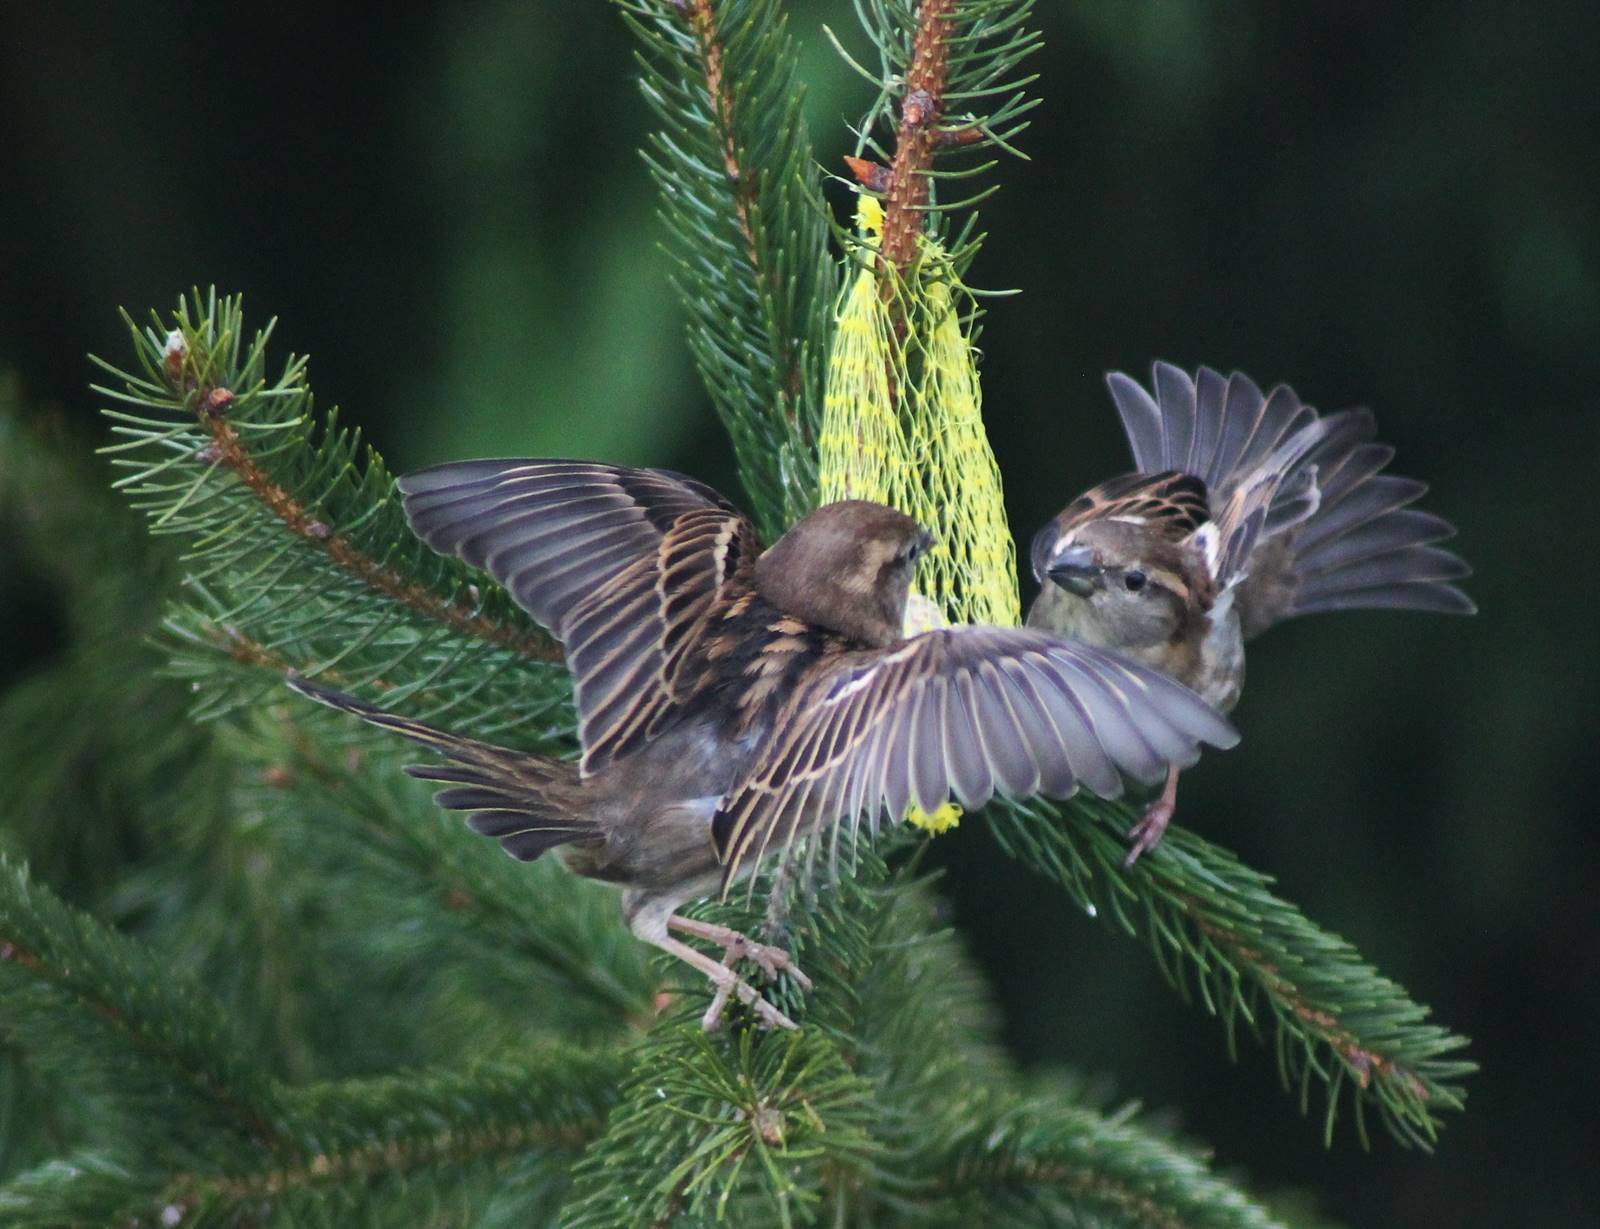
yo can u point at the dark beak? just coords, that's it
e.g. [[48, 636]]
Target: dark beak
[[1075, 570]]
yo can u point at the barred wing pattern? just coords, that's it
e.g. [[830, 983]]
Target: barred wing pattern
[[623, 565], [1269, 499], [1175, 503], [1302, 509], [636, 645], [968, 711], [551, 532]]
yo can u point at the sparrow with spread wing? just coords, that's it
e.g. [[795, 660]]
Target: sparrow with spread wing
[[735, 703], [1247, 509]]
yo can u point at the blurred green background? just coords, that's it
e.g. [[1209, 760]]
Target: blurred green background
[[1390, 204]]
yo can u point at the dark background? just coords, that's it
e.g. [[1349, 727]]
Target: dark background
[[1396, 204]]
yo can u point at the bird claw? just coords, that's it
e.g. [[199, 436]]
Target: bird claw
[[772, 961], [1147, 833], [729, 986]]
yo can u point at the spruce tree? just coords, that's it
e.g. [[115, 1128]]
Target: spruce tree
[[249, 975]]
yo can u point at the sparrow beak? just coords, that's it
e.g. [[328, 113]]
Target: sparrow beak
[[1075, 570]]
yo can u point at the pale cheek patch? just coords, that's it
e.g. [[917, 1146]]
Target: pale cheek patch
[[922, 615]]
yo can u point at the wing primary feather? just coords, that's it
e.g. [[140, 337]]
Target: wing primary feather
[[929, 774], [1088, 757], [1141, 420], [1118, 732], [1175, 395], [1056, 778], [1210, 404], [1014, 767]]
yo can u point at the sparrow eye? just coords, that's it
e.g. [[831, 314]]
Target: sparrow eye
[[914, 549], [1134, 580]]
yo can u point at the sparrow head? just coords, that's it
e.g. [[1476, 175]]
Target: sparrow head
[[1113, 581], [846, 567]]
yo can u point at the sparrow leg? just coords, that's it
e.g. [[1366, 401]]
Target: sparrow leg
[[736, 947], [727, 983], [1147, 833], [649, 915]]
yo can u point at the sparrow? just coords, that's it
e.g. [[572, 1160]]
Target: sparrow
[[736, 703], [1246, 509]]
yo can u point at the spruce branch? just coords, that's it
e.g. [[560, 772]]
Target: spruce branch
[[743, 1131], [228, 451], [828, 1125], [198, 1134], [103, 1014], [340, 786], [296, 543], [399, 1140], [1254, 960], [740, 199], [354, 1135], [753, 1128], [905, 189], [1045, 1162]]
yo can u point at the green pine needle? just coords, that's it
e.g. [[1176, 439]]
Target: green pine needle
[[297, 556], [1255, 962]]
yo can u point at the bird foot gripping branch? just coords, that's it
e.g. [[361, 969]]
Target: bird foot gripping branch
[[773, 962]]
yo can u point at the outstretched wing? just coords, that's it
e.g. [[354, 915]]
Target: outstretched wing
[[551, 532], [1275, 496], [1214, 427], [968, 711], [634, 645], [1303, 517], [621, 564]]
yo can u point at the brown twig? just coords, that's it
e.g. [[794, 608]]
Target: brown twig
[[226, 449], [917, 137], [384, 1157], [1076, 1179], [704, 24]]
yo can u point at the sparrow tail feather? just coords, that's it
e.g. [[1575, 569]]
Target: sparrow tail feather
[[525, 801]]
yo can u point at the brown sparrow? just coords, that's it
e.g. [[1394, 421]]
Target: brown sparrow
[[733, 701], [1247, 509]]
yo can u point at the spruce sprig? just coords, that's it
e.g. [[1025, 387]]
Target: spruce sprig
[[296, 551], [740, 202], [952, 89], [1340, 1031]]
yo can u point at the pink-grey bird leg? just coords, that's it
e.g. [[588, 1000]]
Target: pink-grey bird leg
[[772, 961], [1147, 833], [651, 915], [728, 984]]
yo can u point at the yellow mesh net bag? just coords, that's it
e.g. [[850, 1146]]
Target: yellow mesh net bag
[[902, 424]]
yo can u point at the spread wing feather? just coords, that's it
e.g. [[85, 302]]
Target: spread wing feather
[[550, 531], [1304, 520], [969, 712], [631, 644], [624, 565]]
